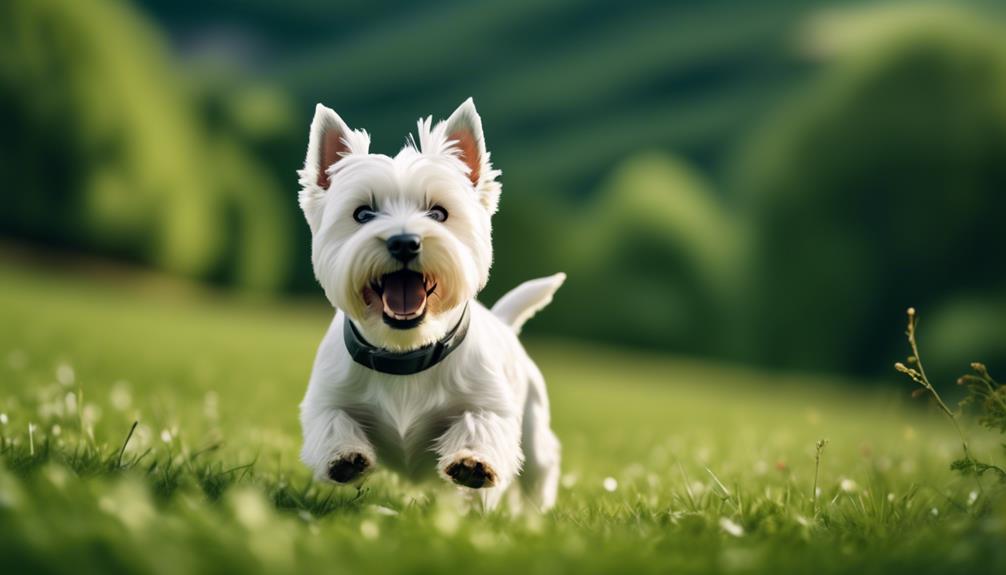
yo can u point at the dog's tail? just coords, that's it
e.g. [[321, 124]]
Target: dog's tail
[[522, 302]]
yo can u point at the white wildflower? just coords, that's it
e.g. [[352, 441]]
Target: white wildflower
[[65, 374], [610, 484], [90, 414], [730, 527], [211, 406], [369, 529], [972, 497], [71, 402], [483, 540], [120, 397], [56, 474], [569, 480], [166, 436], [3, 419], [847, 485], [447, 514], [382, 510], [249, 507]]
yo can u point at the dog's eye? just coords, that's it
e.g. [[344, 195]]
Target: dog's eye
[[437, 214], [364, 214]]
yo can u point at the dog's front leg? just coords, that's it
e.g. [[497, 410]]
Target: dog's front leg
[[481, 450], [335, 446]]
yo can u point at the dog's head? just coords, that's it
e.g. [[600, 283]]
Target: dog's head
[[401, 243]]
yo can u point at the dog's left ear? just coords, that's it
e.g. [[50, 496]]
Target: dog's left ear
[[464, 128]]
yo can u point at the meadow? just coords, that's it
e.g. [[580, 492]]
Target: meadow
[[670, 465]]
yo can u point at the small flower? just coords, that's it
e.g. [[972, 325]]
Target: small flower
[[610, 484], [211, 405], [730, 527], [3, 419], [250, 508], [569, 480], [972, 497], [483, 540], [65, 374], [935, 512], [382, 510], [369, 529], [166, 436], [890, 497], [446, 520], [847, 485], [90, 414], [120, 397]]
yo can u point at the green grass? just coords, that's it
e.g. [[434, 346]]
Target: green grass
[[714, 465]]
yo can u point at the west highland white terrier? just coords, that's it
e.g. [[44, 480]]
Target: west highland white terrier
[[414, 373]]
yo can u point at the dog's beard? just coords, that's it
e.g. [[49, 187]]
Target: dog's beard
[[400, 306]]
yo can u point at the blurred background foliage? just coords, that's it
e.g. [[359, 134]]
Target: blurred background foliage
[[767, 182]]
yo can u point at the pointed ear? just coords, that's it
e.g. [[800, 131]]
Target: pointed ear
[[464, 127], [328, 143]]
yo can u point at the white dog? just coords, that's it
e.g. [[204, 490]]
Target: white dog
[[414, 373]]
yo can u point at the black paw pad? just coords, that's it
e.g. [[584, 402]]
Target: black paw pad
[[347, 468], [470, 472]]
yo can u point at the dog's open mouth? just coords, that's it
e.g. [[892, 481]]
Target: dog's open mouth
[[404, 295]]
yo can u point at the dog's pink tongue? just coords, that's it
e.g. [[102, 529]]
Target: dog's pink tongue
[[404, 292]]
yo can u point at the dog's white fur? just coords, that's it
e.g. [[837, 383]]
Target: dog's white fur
[[485, 402]]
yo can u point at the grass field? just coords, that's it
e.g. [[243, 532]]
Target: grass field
[[669, 465]]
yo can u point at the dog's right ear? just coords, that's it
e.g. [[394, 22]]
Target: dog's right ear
[[330, 141]]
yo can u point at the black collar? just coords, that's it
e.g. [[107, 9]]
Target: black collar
[[404, 362]]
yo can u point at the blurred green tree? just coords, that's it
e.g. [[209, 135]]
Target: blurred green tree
[[651, 259], [877, 188], [103, 149]]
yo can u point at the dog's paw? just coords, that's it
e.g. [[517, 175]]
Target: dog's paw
[[470, 471], [348, 467]]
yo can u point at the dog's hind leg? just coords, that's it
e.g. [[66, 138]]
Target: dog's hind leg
[[540, 479]]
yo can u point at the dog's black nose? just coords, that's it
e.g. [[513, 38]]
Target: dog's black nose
[[404, 247]]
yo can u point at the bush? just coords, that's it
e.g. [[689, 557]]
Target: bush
[[103, 148], [650, 260], [877, 188]]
